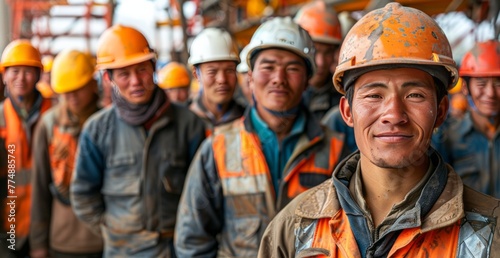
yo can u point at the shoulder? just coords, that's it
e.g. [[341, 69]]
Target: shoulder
[[100, 123], [481, 203]]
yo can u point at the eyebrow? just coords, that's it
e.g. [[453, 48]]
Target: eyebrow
[[418, 84], [269, 61]]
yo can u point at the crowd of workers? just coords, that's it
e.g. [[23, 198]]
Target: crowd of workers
[[303, 144]]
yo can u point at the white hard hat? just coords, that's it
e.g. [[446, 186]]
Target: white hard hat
[[243, 66], [212, 44], [284, 33]]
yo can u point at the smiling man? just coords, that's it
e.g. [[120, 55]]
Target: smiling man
[[214, 59], [133, 157], [395, 197], [472, 146], [253, 166]]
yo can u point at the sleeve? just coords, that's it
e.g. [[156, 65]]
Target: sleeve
[[279, 237], [41, 198], [85, 189], [200, 215], [196, 136]]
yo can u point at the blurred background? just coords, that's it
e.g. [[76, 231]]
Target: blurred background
[[170, 25]]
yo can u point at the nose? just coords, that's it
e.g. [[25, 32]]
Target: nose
[[489, 90], [279, 76], [395, 112], [134, 78], [320, 60], [221, 77]]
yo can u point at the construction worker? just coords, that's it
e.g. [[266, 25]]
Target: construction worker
[[254, 166], [55, 230], [133, 157], [324, 27], [19, 114], [174, 79], [472, 145], [214, 58], [395, 197], [245, 93], [43, 85]]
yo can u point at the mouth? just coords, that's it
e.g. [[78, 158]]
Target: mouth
[[223, 90], [137, 93], [393, 137]]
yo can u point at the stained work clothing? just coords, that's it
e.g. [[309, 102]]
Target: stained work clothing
[[235, 111], [128, 181], [320, 100], [54, 226], [16, 130], [473, 156], [229, 197], [446, 220]]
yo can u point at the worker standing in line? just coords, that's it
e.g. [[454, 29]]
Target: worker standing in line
[[324, 27], [253, 166], [214, 59], [175, 80], [55, 230], [133, 157], [245, 95], [44, 84], [21, 66], [396, 197], [472, 145]]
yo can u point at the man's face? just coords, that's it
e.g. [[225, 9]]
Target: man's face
[[324, 58], [79, 100], [218, 80], [178, 95], [485, 92], [278, 79], [245, 88], [21, 80], [135, 82], [394, 113]]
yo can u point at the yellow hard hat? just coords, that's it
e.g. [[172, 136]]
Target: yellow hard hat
[[173, 75], [121, 46], [47, 63], [45, 89], [21, 52], [458, 87], [72, 69]]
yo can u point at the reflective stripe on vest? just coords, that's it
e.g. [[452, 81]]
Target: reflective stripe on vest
[[243, 169], [14, 134], [470, 237]]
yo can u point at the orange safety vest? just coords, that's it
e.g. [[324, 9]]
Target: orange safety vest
[[242, 166], [335, 235], [62, 150], [13, 132]]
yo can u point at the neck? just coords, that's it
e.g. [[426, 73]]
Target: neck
[[218, 110], [26, 102], [486, 125], [280, 125], [385, 187]]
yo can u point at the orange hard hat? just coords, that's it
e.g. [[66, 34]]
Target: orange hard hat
[[121, 46], [21, 52], [391, 37], [173, 75], [320, 22], [45, 89], [483, 60]]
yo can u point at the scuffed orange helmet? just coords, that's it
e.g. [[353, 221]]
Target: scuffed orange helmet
[[320, 22], [395, 36], [173, 75], [482, 60], [121, 46], [21, 52]]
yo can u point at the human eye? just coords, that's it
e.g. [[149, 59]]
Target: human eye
[[415, 95]]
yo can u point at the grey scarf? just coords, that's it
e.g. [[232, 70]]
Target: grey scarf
[[138, 114]]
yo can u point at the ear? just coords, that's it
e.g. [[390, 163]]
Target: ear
[[442, 111], [250, 79], [105, 76], [465, 88], [345, 111], [195, 75]]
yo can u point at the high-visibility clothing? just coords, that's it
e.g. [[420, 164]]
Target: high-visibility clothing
[[229, 197], [17, 143], [460, 222]]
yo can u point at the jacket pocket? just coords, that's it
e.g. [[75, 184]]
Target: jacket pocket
[[173, 170], [246, 235], [122, 177], [126, 244]]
